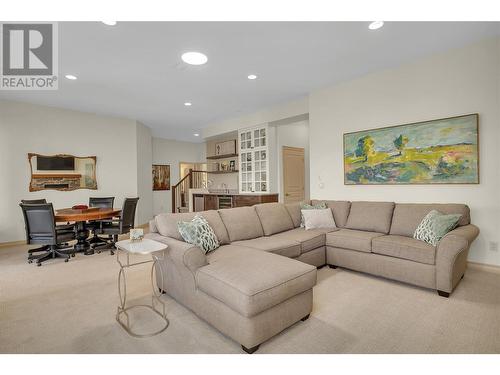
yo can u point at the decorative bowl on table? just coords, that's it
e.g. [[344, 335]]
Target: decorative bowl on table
[[136, 234], [80, 207]]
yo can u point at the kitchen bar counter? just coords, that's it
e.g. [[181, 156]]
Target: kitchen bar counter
[[202, 200]]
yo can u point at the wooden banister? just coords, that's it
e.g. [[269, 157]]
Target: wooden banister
[[180, 191]]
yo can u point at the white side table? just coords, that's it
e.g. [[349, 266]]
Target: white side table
[[143, 247]]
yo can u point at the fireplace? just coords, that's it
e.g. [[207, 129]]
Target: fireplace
[[60, 181]]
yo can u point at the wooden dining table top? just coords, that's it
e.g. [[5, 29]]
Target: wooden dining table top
[[91, 213]]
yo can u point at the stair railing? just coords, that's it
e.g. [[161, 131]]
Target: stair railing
[[180, 191]]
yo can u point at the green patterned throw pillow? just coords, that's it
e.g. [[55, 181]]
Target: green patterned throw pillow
[[305, 206], [434, 226], [198, 232]]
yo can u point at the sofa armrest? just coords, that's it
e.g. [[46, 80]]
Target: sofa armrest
[[451, 256], [183, 254]]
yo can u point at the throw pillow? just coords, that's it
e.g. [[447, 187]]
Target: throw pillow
[[198, 232], [320, 218], [305, 206], [434, 226]]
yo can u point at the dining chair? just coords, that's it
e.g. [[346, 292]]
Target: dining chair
[[115, 227], [101, 202], [41, 228], [39, 201], [33, 201]]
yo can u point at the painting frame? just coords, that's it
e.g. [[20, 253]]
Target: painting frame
[[162, 183], [415, 124]]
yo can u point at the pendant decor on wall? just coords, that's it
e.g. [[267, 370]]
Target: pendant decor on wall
[[443, 151]]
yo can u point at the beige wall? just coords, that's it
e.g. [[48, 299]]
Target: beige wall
[[276, 113], [167, 151], [28, 128], [144, 178], [453, 83]]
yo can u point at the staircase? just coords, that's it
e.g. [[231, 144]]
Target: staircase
[[180, 191]]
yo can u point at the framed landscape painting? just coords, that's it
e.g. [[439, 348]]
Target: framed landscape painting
[[161, 177], [444, 151]]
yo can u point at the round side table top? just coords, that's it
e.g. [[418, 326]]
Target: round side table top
[[144, 246]]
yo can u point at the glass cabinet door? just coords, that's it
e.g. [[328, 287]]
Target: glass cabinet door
[[246, 172], [254, 165]]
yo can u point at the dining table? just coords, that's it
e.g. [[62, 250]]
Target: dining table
[[81, 217]]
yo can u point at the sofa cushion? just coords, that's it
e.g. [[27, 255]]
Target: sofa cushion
[[277, 245], [404, 248], [308, 239], [242, 223], [198, 232], [167, 224], [274, 218], [435, 226], [255, 280], [352, 239], [318, 219], [407, 216], [306, 206], [340, 210], [294, 212], [226, 251], [370, 216]]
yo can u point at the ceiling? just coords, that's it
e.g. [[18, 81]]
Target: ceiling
[[134, 69]]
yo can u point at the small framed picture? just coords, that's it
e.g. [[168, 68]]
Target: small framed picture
[[136, 234], [225, 148], [232, 165], [161, 177]]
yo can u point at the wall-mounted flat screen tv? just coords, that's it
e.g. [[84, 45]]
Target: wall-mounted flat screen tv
[[55, 163]]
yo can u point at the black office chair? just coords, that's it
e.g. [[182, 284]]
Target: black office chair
[[44, 247], [119, 226], [101, 202], [41, 228], [33, 201]]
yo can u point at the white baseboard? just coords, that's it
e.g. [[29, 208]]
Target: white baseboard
[[484, 267], [23, 242]]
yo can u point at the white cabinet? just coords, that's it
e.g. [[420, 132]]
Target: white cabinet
[[254, 160]]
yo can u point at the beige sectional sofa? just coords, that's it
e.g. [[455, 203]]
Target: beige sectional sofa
[[260, 280]]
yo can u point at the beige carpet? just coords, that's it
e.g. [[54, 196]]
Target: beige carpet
[[70, 308]]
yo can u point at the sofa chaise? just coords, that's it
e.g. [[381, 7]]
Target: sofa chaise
[[260, 280]]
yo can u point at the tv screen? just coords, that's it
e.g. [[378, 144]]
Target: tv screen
[[55, 163]]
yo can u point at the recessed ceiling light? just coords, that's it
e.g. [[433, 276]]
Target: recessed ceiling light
[[71, 77], [376, 25], [252, 76], [109, 23], [194, 58], [188, 104], [196, 134]]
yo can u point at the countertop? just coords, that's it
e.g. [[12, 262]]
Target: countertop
[[232, 194]]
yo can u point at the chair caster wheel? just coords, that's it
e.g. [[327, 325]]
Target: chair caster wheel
[[73, 255], [30, 261], [111, 253], [66, 260], [39, 264], [98, 251]]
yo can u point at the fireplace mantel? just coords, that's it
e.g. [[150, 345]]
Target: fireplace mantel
[[57, 175]]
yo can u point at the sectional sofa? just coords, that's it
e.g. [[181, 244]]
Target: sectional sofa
[[260, 280]]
